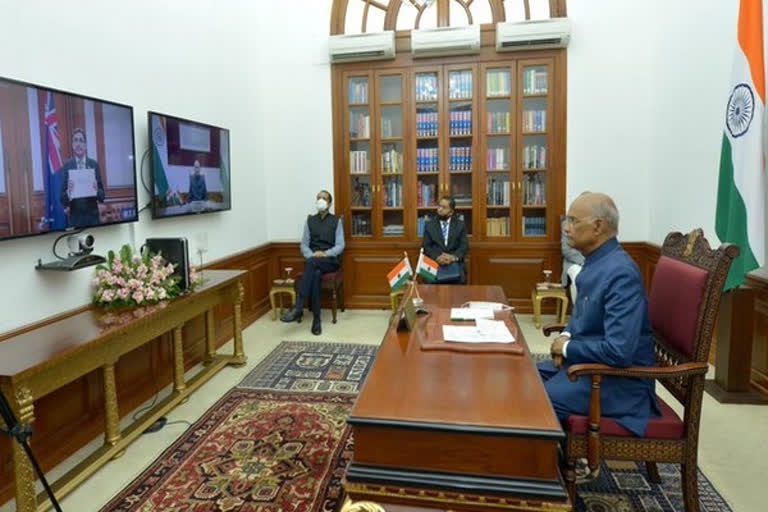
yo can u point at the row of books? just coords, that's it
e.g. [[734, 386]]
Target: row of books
[[460, 85], [358, 90], [359, 125], [361, 224], [534, 157], [535, 81], [421, 222], [461, 194], [498, 192], [361, 193], [427, 159], [497, 226], [391, 162], [534, 190], [498, 83], [460, 158], [359, 162], [426, 124], [426, 87], [535, 121], [425, 194], [534, 226], [386, 128], [392, 192], [497, 159], [498, 122], [460, 122]]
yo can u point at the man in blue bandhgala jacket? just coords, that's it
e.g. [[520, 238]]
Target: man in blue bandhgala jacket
[[609, 324]]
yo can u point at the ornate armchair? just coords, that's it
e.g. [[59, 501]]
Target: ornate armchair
[[683, 305]]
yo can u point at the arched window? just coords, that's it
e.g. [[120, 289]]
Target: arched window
[[357, 16]]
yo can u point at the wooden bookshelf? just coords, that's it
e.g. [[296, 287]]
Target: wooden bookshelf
[[488, 129]]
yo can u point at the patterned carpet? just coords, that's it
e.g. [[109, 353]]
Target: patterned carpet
[[279, 442]]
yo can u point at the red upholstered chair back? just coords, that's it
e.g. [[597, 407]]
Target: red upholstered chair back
[[684, 301]]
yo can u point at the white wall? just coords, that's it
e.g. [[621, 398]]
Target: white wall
[[189, 59], [298, 142]]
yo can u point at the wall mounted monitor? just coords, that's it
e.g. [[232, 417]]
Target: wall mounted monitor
[[190, 167], [67, 161]]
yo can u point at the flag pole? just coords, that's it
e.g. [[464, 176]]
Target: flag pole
[[416, 271]]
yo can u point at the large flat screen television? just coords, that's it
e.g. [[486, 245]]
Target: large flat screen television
[[190, 167], [66, 161]]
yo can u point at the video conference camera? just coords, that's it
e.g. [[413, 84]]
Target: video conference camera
[[80, 244]]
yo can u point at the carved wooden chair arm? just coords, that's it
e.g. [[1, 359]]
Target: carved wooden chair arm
[[643, 372], [549, 329]]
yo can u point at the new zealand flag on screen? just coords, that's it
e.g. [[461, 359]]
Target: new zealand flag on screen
[[55, 217]]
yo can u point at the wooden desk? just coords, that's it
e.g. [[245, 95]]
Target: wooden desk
[[458, 431], [40, 361]]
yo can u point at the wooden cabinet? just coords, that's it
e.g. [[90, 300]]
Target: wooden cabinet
[[488, 130]]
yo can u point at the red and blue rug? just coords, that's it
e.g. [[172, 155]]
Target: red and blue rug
[[279, 442]]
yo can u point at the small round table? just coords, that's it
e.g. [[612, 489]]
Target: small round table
[[554, 292], [280, 287]]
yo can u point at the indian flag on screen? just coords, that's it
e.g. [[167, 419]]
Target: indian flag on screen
[[400, 274], [426, 267], [160, 156], [741, 190]]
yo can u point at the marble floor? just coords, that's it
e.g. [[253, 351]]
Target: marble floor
[[733, 452]]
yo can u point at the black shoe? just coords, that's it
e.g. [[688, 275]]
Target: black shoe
[[316, 327], [293, 315]]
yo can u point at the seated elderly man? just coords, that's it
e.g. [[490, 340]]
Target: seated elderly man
[[609, 324]]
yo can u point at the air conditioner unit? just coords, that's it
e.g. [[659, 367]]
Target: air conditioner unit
[[533, 35], [436, 42], [357, 47]]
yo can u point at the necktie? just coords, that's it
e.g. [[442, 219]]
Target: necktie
[[444, 226]]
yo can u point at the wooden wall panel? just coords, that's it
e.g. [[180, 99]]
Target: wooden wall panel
[[760, 330]]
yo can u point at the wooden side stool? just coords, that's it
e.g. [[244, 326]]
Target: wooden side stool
[[557, 293], [279, 287]]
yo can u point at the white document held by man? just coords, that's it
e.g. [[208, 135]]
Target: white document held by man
[[82, 183], [485, 331]]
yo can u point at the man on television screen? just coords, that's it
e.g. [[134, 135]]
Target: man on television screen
[[197, 188], [81, 187]]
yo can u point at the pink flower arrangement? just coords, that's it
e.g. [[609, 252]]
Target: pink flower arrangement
[[129, 279]]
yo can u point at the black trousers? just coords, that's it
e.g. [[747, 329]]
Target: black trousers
[[309, 288]]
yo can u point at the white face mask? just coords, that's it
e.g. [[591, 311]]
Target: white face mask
[[322, 205]]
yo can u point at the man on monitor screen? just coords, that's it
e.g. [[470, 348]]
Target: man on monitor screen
[[81, 187], [197, 188]]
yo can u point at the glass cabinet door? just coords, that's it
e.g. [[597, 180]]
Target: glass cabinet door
[[429, 188], [498, 136], [358, 136], [460, 139], [535, 108], [390, 187]]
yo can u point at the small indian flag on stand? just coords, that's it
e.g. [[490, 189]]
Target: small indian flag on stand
[[426, 267], [400, 274]]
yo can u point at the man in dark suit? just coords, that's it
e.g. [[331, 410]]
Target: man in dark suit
[[445, 239], [82, 211], [197, 188]]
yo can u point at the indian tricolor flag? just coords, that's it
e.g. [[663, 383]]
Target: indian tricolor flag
[[426, 267], [400, 274], [741, 189]]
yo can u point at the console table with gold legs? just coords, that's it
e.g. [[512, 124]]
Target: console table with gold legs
[[39, 361]]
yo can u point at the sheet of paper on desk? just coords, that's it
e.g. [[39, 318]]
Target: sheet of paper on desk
[[470, 314], [486, 331], [83, 183]]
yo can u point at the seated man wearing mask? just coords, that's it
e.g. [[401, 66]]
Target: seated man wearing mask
[[609, 325], [321, 244], [445, 240]]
